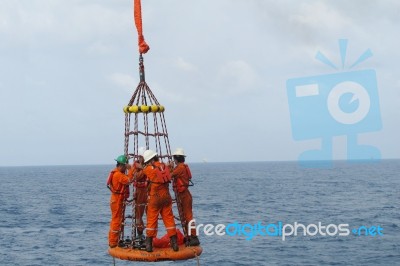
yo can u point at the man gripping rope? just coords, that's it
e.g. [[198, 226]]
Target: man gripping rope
[[181, 176], [140, 195], [159, 200], [118, 182]]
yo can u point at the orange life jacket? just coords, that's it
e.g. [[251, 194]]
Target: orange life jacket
[[139, 183], [183, 183], [123, 190], [162, 174]]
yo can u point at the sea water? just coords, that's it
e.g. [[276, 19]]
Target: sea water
[[59, 215]]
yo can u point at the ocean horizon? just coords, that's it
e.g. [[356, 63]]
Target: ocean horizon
[[361, 161]]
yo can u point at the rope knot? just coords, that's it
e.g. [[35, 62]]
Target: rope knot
[[143, 46]]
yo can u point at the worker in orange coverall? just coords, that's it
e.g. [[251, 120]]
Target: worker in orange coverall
[[181, 176], [118, 183], [159, 200], [140, 196]]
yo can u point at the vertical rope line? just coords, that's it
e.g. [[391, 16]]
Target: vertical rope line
[[134, 225], [133, 215], [146, 131], [126, 142], [135, 137], [166, 139], [122, 225], [137, 90], [153, 97], [197, 258], [156, 135], [136, 129], [140, 88]]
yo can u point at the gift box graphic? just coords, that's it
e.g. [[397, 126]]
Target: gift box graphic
[[342, 103]]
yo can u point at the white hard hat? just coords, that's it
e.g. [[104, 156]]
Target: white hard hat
[[148, 155], [179, 152]]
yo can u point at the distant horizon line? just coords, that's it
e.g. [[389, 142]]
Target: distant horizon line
[[212, 162]]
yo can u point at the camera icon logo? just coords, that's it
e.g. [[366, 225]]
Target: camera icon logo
[[337, 107], [344, 103]]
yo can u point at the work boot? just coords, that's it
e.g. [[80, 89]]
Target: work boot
[[140, 235], [128, 241], [149, 244], [121, 244], [174, 243], [186, 240], [194, 241]]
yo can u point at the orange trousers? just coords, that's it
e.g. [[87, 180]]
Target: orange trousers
[[140, 204], [117, 215], [186, 201], [160, 203]]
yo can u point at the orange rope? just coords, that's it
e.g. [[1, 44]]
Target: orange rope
[[137, 13]]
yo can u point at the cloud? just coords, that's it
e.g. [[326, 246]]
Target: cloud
[[319, 15], [60, 21], [184, 65], [100, 48], [125, 81], [171, 96], [237, 76]]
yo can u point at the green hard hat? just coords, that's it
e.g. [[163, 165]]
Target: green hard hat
[[122, 159]]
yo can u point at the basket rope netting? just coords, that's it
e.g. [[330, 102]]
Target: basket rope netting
[[145, 128]]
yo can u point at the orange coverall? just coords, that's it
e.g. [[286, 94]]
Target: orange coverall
[[140, 197], [118, 183], [159, 201], [181, 179]]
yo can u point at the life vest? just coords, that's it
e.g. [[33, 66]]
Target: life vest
[[123, 190], [139, 183], [164, 242], [162, 174], [182, 183]]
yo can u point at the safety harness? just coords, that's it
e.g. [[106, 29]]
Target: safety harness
[[123, 190], [182, 183], [142, 183], [163, 175]]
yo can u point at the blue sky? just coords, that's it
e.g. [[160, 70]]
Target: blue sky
[[219, 67]]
